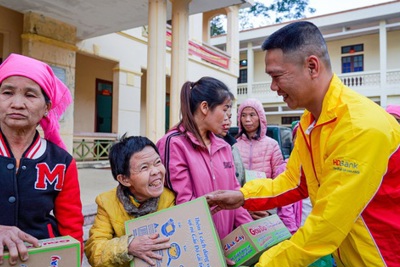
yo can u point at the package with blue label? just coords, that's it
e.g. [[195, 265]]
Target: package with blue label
[[245, 244], [63, 251], [193, 238]]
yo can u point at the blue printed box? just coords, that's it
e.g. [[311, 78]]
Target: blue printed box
[[193, 238], [63, 251], [245, 244]]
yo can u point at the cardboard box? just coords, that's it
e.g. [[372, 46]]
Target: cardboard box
[[63, 251], [245, 244], [193, 237]]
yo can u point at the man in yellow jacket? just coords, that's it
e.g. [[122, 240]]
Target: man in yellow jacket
[[346, 159]]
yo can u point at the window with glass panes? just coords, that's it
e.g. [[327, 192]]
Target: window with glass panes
[[242, 71], [352, 63]]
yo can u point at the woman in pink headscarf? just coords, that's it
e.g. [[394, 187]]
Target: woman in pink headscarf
[[39, 190]]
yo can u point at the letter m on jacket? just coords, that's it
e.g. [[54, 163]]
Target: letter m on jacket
[[46, 176]]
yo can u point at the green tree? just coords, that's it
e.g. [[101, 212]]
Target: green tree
[[261, 14], [217, 25]]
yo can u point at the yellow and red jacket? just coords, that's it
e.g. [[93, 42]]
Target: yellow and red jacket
[[348, 163]]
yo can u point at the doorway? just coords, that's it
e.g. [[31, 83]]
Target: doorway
[[104, 92]]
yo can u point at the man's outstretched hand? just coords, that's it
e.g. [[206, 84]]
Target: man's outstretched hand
[[224, 200]]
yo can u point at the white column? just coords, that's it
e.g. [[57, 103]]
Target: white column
[[232, 38], [196, 34], [232, 46], [250, 69], [383, 61], [155, 101], [179, 55]]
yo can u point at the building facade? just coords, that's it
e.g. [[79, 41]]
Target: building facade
[[128, 80], [124, 64]]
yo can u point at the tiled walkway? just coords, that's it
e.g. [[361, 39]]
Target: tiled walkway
[[94, 182]]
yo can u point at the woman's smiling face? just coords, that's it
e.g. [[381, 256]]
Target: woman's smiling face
[[147, 174]]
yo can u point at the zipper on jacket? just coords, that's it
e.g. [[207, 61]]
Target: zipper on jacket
[[251, 155], [212, 169], [16, 193], [311, 150], [211, 162], [312, 158], [307, 137]]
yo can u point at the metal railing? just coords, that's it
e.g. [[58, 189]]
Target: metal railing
[[92, 146]]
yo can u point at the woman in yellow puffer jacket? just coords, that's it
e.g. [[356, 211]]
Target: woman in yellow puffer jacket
[[136, 165]]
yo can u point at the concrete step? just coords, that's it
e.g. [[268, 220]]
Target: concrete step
[[103, 164]]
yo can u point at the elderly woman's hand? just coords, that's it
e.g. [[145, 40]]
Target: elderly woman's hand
[[144, 247], [14, 239]]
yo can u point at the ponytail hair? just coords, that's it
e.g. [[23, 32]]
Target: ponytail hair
[[208, 89]]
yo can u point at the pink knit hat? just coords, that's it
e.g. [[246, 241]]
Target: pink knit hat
[[393, 109], [42, 74]]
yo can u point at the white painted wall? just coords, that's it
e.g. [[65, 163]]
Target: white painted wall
[[129, 49]]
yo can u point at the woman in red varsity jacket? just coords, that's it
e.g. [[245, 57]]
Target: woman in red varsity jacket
[[39, 190]]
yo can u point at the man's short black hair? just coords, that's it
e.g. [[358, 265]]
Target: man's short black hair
[[301, 39]]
